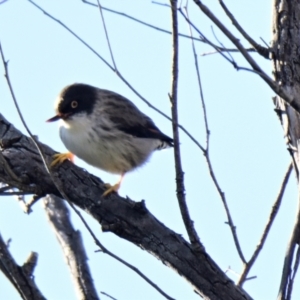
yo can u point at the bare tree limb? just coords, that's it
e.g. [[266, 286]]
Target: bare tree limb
[[206, 153], [72, 246], [266, 231], [58, 185], [18, 276], [106, 35], [127, 219], [291, 261]]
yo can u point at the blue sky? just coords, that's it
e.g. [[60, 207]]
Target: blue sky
[[248, 150]]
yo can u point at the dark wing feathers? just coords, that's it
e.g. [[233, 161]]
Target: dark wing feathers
[[128, 118]]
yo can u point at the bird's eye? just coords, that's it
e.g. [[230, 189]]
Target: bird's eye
[[74, 104]]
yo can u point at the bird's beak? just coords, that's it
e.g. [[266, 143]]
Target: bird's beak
[[55, 118]]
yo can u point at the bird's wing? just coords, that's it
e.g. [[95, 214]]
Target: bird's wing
[[128, 118]]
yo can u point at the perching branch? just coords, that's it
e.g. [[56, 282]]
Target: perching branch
[[58, 185], [127, 219]]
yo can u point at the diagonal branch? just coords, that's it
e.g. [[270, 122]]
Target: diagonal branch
[[207, 154], [272, 217], [58, 185], [127, 219], [106, 35], [20, 278], [140, 21], [291, 260], [265, 52]]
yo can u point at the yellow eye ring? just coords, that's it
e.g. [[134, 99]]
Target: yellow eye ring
[[74, 104]]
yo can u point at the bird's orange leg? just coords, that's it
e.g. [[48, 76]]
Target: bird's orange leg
[[61, 157], [113, 188]]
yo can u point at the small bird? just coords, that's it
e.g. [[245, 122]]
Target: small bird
[[106, 130]]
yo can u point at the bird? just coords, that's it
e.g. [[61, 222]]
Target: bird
[[106, 130]]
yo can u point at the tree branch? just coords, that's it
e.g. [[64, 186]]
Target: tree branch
[[73, 249], [180, 188], [20, 278], [283, 93], [59, 187], [272, 216], [127, 219], [265, 52]]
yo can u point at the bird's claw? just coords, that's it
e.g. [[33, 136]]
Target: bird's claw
[[59, 158], [111, 188]]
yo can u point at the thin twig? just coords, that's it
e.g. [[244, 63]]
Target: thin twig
[[217, 39], [140, 21], [119, 74], [106, 35], [207, 131], [59, 188], [220, 49], [207, 155], [223, 198], [260, 49], [109, 296], [193, 236], [269, 224]]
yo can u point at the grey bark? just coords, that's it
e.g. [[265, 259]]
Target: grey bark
[[127, 219], [20, 278], [71, 243], [286, 61]]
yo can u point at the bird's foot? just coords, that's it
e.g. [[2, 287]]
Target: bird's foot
[[61, 157], [111, 188]]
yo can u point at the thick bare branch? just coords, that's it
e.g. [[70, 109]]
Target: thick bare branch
[[127, 219], [59, 187]]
